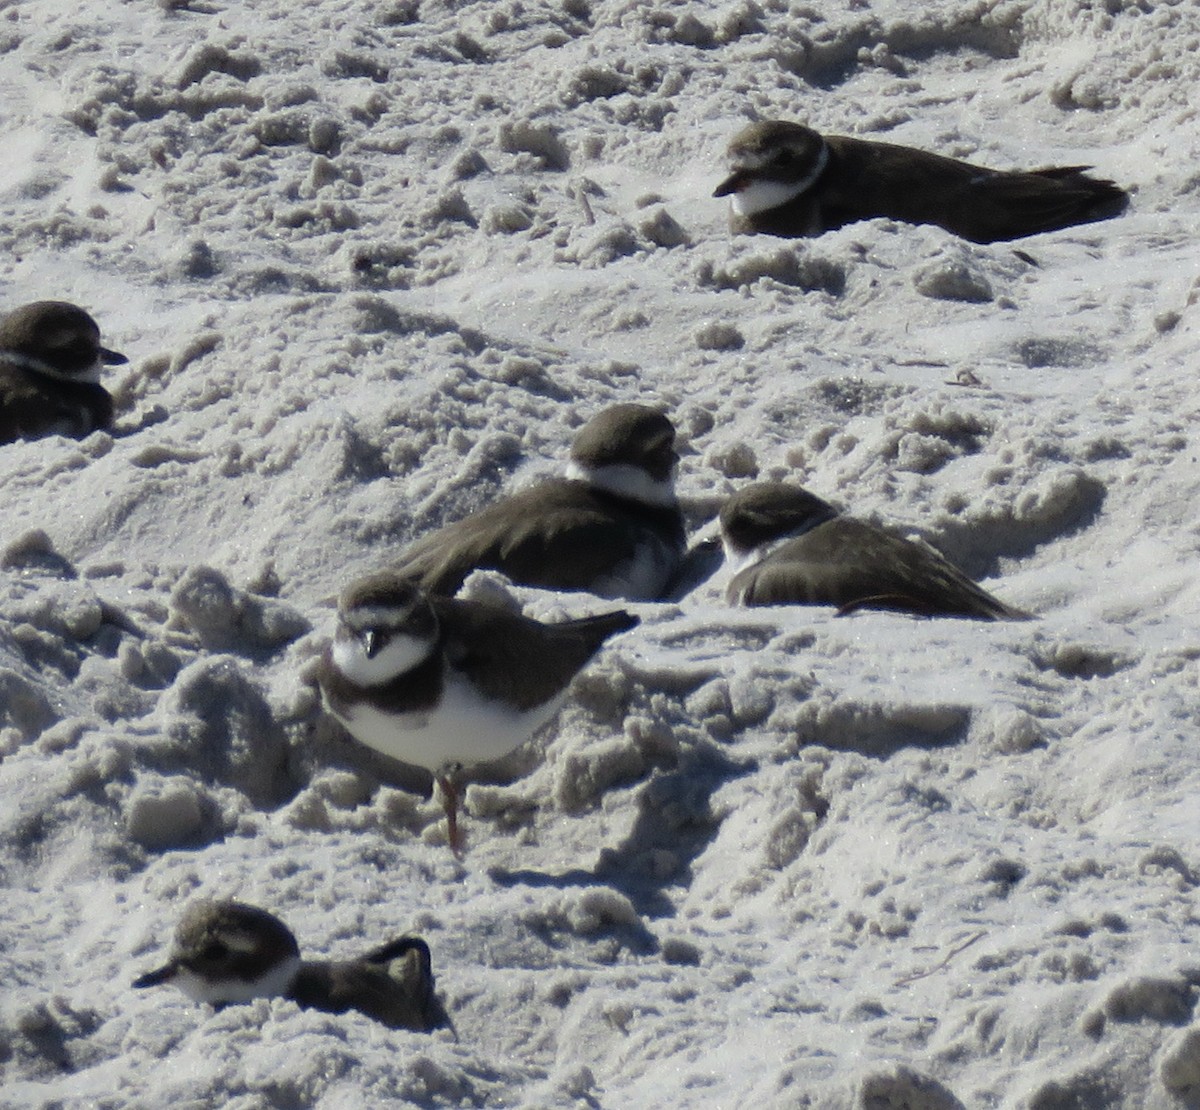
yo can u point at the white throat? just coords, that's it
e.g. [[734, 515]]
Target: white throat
[[739, 558], [400, 656], [761, 195], [625, 480], [87, 374], [275, 981]]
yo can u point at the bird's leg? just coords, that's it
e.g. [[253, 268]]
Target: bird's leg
[[448, 783]]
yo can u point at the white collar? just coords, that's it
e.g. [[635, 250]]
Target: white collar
[[28, 362], [627, 481], [763, 194]]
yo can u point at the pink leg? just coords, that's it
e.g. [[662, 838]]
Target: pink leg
[[449, 787]]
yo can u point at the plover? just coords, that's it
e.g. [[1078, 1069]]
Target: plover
[[612, 526], [788, 547], [50, 363], [790, 181], [226, 952], [441, 683]]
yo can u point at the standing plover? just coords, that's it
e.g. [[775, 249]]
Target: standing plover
[[227, 952], [50, 363], [612, 526], [788, 547], [441, 683], [790, 181]]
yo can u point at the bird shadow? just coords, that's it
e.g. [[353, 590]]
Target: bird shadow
[[701, 561], [675, 823]]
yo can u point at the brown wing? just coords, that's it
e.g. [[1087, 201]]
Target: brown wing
[[540, 537], [493, 648], [853, 565], [1009, 205], [868, 179], [29, 410], [396, 991]]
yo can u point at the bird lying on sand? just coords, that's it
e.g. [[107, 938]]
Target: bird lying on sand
[[50, 364], [612, 526], [227, 952], [788, 180], [788, 547]]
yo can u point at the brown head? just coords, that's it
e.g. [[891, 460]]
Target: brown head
[[628, 435], [56, 338], [768, 511]]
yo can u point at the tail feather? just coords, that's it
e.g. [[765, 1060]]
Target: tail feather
[[604, 625]]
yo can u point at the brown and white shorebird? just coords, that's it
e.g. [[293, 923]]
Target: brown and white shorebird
[[441, 683], [227, 952], [788, 180], [612, 526], [788, 547], [50, 364]]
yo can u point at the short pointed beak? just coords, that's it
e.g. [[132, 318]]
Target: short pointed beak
[[372, 643], [153, 978], [112, 358], [662, 462], [734, 183]]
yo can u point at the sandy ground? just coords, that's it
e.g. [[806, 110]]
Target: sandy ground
[[374, 264]]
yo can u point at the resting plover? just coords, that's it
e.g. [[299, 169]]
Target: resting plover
[[612, 526], [443, 684], [790, 181], [226, 952], [788, 547], [50, 363]]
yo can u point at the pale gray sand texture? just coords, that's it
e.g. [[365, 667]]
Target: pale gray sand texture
[[374, 264]]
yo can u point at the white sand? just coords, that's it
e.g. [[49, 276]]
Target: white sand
[[373, 264]]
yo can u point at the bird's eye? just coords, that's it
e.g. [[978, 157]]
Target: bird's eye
[[214, 950]]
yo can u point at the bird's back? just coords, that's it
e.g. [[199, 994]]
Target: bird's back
[[492, 648], [558, 535], [854, 565]]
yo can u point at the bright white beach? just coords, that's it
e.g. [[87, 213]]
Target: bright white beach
[[373, 265]]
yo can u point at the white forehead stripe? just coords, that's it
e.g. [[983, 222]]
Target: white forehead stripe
[[374, 616], [750, 160]]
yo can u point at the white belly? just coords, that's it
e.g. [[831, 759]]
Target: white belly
[[644, 577], [465, 728], [270, 984]]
